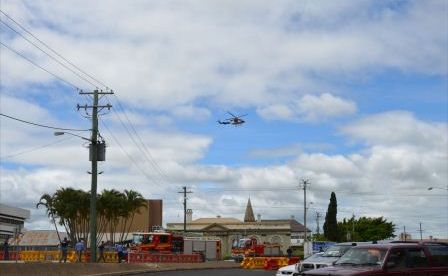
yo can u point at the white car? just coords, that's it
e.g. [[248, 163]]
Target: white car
[[295, 268], [286, 270], [318, 260]]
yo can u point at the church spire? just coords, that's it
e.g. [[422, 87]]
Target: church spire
[[249, 216]]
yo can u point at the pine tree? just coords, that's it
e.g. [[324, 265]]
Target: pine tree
[[331, 224]]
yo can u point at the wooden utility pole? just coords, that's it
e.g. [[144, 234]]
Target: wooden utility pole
[[185, 192], [94, 160]]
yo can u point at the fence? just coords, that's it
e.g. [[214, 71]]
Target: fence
[[268, 263], [109, 257]]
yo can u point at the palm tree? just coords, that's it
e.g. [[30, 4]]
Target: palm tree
[[46, 200], [72, 206], [113, 203], [134, 201]]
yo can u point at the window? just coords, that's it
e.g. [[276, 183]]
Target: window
[[417, 258], [397, 259], [439, 254]]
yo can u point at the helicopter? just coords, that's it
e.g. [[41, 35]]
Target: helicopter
[[235, 120]]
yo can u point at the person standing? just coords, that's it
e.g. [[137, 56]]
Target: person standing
[[289, 251], [64, 247], [79, 247], [120, 252], [6, 250], [101, 251]]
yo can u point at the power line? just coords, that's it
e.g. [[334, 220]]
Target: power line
[[127, 154], [143, 148], [35, 148], [40, 125], [146, 153], [40, 67], [50, 56], [286, 189], [54, 51]]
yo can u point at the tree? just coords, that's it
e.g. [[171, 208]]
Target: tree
[[113, 203], [330, 224], [134, 201], [70, 208], [46, 200], [367, 229]]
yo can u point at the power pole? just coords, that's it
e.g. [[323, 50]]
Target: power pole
[[304, 184], [94, 160], [421, 232], [318, 216], [404, 232], [353, 226], [185, 192]]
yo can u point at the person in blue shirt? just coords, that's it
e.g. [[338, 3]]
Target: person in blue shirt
[[79, 248], [120, 252]]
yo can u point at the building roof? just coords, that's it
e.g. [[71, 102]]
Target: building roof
[[215, 220], [9, 211], [290, 225], [295, 225], [41, 238], [249, 215]]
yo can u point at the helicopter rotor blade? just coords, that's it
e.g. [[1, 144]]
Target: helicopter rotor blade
[[231, 114], [242, 115]]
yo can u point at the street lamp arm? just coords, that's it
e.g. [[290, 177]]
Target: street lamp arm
[[441, 188], [58, 133]]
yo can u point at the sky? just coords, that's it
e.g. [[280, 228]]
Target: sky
[[349, 95]]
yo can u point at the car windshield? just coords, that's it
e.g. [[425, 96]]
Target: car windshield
[[362, 256], [336, 250]]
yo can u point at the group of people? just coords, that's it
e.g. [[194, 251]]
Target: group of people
[[80, 248]]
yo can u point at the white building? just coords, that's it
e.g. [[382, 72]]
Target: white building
[[11, 221]]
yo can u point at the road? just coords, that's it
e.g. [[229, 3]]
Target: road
[[215, 272]]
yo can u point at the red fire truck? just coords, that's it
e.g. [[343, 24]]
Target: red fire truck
[[248, 247], [161, 242]]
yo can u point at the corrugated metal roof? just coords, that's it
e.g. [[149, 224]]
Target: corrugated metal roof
[[40, 238], [215, 220]]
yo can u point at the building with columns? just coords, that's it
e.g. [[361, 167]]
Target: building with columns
[[228, 230]]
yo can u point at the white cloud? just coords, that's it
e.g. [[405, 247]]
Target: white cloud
[[181, 59], [310, 108], [396, 128], [192, 113], [172, 54], [315, 108], [276, 112]]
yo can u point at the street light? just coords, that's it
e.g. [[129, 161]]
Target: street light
[[59, 133], [441, 188]]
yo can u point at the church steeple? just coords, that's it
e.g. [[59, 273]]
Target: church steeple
[[249, 215]]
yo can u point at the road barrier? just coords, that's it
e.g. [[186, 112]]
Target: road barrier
[[110, 257], [268, 263], [145, 257], [11, 254], [55, 255]]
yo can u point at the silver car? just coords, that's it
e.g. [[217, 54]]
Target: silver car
[[318, 260]]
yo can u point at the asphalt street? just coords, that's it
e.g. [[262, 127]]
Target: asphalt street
[[215, 272]]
